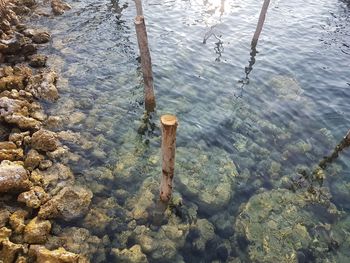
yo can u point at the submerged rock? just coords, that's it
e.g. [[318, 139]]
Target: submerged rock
[[273, 226], [286, 87], [131, 255], [70, 203], [13, 177], [207, 178], [54, 178], [80, 241]]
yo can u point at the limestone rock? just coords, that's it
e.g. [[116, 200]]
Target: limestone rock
[[36, 231], [16, 112], [59, 255], [70, 203], [13, 177], [18, 137], [5, 234], [41, 37], [34, 198], [10, 251], [43, 86], [11, 82], [4, 217], [9, 151], [33, 160], [45, 140], [54, 178], [38, 61], [132, 255], [17, 220], [59, 7]]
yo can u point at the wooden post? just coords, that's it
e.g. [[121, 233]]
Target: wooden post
[[344, 143], [169, 125], [146, 64], [260, 23], [138, 5]]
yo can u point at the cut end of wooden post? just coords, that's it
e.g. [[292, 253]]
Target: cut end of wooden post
[[168, 119], [139, 20]]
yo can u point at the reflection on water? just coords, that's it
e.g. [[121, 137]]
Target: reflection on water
[[233, 147]]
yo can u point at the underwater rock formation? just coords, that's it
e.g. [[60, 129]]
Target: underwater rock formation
[[209, 184], [59, 255], [275, 225], [131, 255]]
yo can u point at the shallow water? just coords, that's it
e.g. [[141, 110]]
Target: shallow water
[[288, 113]]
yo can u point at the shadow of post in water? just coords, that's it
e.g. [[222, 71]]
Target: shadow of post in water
[[253, 45]]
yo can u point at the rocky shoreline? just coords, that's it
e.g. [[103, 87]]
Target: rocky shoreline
[[35, 188]]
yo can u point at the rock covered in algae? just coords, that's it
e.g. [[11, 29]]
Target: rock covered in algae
[[131, 255], [54, 178], [105, 214], [275, 226], [59, 255], [13, 177], [79, 241], [207, 178], [141, 203], [70, 203]]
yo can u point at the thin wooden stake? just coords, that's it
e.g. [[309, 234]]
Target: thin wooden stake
[[138, 5], [146, 64], [169, 124], [260, 23]]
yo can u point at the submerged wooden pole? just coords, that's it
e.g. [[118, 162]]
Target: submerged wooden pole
[[138, 5], [260, 22], [169, 125], [344, 143], [146, 64]]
